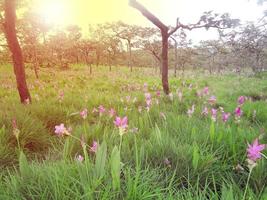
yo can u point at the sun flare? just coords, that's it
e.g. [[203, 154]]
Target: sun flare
[[53, 12]]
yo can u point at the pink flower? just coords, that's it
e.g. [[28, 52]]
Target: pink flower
[[60, 130], [191, 111], [212, 100], [254, 150], [148, 96], [225, 116], [213, 114], [84, 113], [206, 90], [101, 109], [238, 112], [241, 100], [112, 112], [121, 122], [158, 93], [205, 111], [148, 99], [79, 158], [94, 147]]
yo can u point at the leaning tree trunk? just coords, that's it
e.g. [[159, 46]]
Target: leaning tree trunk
[[13, 44], [165, 82]]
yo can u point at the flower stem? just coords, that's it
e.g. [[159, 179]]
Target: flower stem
[[247, 185], [264, 156], [120, 142]]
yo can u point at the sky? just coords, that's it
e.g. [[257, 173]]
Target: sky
[[84, 12]]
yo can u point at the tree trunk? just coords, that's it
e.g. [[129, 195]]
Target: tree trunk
[[165, 82], [130, 55], [13, 44], [35, 63]]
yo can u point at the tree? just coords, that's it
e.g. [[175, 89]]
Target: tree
[[9, 25], [208, 20], [149, 40], [125, 32]]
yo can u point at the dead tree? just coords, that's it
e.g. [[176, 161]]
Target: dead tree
[[208, 20]]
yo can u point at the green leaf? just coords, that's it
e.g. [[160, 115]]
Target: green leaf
[[212, 131], [196, 156], [100, 162], [115, 164], [23, 165]]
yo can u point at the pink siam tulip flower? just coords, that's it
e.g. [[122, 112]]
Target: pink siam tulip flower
[[205, 111], [112, 112], [148, 103], [122, 124], [212, 100], [158, 93], [213, 114], [101, 110], [225, 116], [148, 100], [191, 111], [79, 158], [254, 150], [61, 130], [238, 112], [148, 96], [206, 91], [94, 147], [84, 113], [241, 100]]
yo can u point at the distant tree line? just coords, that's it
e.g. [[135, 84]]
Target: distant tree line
[[37, 44]]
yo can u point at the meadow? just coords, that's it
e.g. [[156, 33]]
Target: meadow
[[115, 135]]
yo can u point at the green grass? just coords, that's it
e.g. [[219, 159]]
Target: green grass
[[202, 155]]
